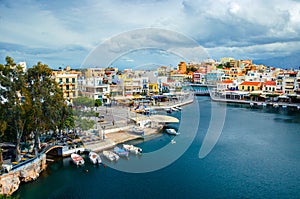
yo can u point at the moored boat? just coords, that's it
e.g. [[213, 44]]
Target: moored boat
[[132, 149], [172, 132], [77, 159], [179, 108], [168, 110], [264, 104], [174, 109], [121, 152], [95, 158], [110, 155], [137, 130]]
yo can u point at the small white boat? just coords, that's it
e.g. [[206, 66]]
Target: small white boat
[[284, 106], [121, 152], [137, 130], [77, 159], [168, 110], [132, 149], [110, 155], [173, 142], [179, 108], [264, 104], [275, 105], [174, 109], [172, 132], [95, 158]]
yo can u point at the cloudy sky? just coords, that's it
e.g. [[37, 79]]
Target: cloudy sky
[[61, 33]]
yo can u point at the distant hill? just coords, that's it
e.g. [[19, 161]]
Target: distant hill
[[291, 61]]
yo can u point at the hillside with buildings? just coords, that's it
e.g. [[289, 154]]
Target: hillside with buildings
[[226, 75]]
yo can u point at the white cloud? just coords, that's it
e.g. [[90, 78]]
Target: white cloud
[[224, 25]]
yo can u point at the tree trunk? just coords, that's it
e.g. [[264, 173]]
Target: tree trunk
[[36, 142], [18, 150], [1, 158]]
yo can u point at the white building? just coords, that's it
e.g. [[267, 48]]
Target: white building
[[94, 88]]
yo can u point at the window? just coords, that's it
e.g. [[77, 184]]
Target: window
[[67, 80], [252, 88], [73, 80], [60, 81], [67, 87]]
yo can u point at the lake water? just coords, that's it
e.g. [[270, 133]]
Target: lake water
[[257, 156]]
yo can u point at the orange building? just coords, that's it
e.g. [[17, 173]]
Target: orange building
[[182, 67]]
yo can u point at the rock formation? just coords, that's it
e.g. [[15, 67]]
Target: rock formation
[[9, 182]]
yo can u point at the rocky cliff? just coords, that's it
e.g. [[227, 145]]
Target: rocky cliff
[[10, 182]]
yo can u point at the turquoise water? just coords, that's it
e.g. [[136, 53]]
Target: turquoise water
[[256, 156]]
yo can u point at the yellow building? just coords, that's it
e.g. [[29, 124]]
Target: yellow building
[[250, 86], [153, 88], [94, 72], [67, 81], [226, 59]]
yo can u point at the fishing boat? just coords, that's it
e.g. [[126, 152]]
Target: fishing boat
[[94, 158], [77, 159], [132, 149], [110, 155], [121, 152], [172, 132]]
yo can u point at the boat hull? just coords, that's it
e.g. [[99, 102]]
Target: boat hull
[[132, 149], [95, 158], [77, 159], [172, 132], [110, 155]]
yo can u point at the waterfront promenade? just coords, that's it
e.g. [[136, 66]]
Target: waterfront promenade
[[119, 120], [256, 103]]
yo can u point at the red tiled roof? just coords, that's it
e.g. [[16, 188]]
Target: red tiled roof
[[270, 83], [250, 84], [227, 81]]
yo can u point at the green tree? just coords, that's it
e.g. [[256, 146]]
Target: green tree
[[48, 108], [83, 101], [98, 103], [12, 90]]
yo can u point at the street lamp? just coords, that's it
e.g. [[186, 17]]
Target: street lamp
[[103, 132]]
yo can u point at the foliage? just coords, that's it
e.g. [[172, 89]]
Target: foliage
[[31, 102], [255, 94], [83, 101], [191, 69], [84, 123], [8, 197], [98, 103], [272, 95]]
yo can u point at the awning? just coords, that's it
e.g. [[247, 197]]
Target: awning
[[283, 97], [156, 118], [289, 87]]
